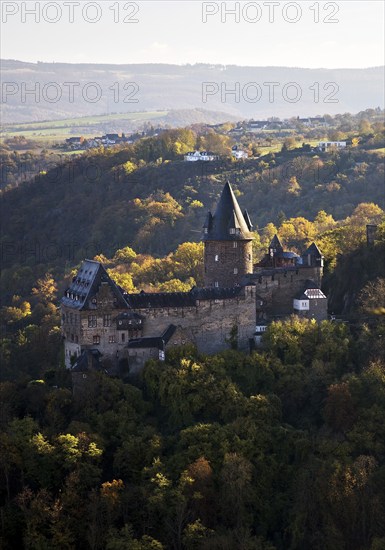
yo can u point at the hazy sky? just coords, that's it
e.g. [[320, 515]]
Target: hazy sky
[[174, 32]]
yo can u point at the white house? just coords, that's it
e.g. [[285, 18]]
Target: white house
[[194, 156], [239, 154], [325, 145], [312, 303]]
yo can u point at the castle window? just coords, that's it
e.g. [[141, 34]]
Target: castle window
[[216, 257], [205, 231], [235, 271], [107, 320], [232, 231], [92, 321], [216, 284], [111, 340], [71, 318], [76, 339], [72, 338], [96, 339], [235, 244], [123, 337]]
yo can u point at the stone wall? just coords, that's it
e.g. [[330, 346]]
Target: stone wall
[[208, 325], [278, 290], [227, 262]]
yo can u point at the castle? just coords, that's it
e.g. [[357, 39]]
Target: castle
[[105, 327]]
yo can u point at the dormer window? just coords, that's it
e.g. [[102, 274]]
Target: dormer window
[[205, 231], [232, 231]]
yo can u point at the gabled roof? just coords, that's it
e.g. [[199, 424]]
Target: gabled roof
[[313, 250], [228, 215], [86, 284], [88, 360]]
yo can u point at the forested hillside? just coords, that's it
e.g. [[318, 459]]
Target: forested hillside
[[282, 449], [104, 201]]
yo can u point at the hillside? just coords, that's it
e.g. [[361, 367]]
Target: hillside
[[90, 126], [96, 204], [172, 87]]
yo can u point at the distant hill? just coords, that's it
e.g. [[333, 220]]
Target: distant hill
[[179, 88]]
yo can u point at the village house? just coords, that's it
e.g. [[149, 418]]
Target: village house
[[206, 156]]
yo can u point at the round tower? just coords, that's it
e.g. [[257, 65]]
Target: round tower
[[227, 238]]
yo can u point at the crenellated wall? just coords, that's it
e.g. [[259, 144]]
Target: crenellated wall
[[279, 288], [208, 325]]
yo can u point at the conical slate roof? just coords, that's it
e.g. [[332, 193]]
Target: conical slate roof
[[228, 223], [276, 244], [313, 250]]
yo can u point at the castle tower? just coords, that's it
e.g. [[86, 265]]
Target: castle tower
[[227, 238]]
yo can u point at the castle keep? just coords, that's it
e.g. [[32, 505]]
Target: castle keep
[[104, 325]]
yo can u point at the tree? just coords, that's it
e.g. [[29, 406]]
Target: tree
[[45, 289], [339, 407], [124, 255], [293, 187], [372, 296], [236, 476], [189, 260], [176, 285]]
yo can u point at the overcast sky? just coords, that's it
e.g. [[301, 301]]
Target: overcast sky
[[174, 32]]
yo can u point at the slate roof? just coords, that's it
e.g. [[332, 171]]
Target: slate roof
[[86, 284], [145, 300], [276, 243], [228, 215], [313, 250], [148, 300], [288, 255], [311, 291], [88, 360], [157, 342]]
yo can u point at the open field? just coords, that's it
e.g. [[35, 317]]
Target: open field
[[58, 130]]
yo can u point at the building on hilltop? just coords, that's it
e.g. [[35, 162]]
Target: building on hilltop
[[101, 323], [227, 237]]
